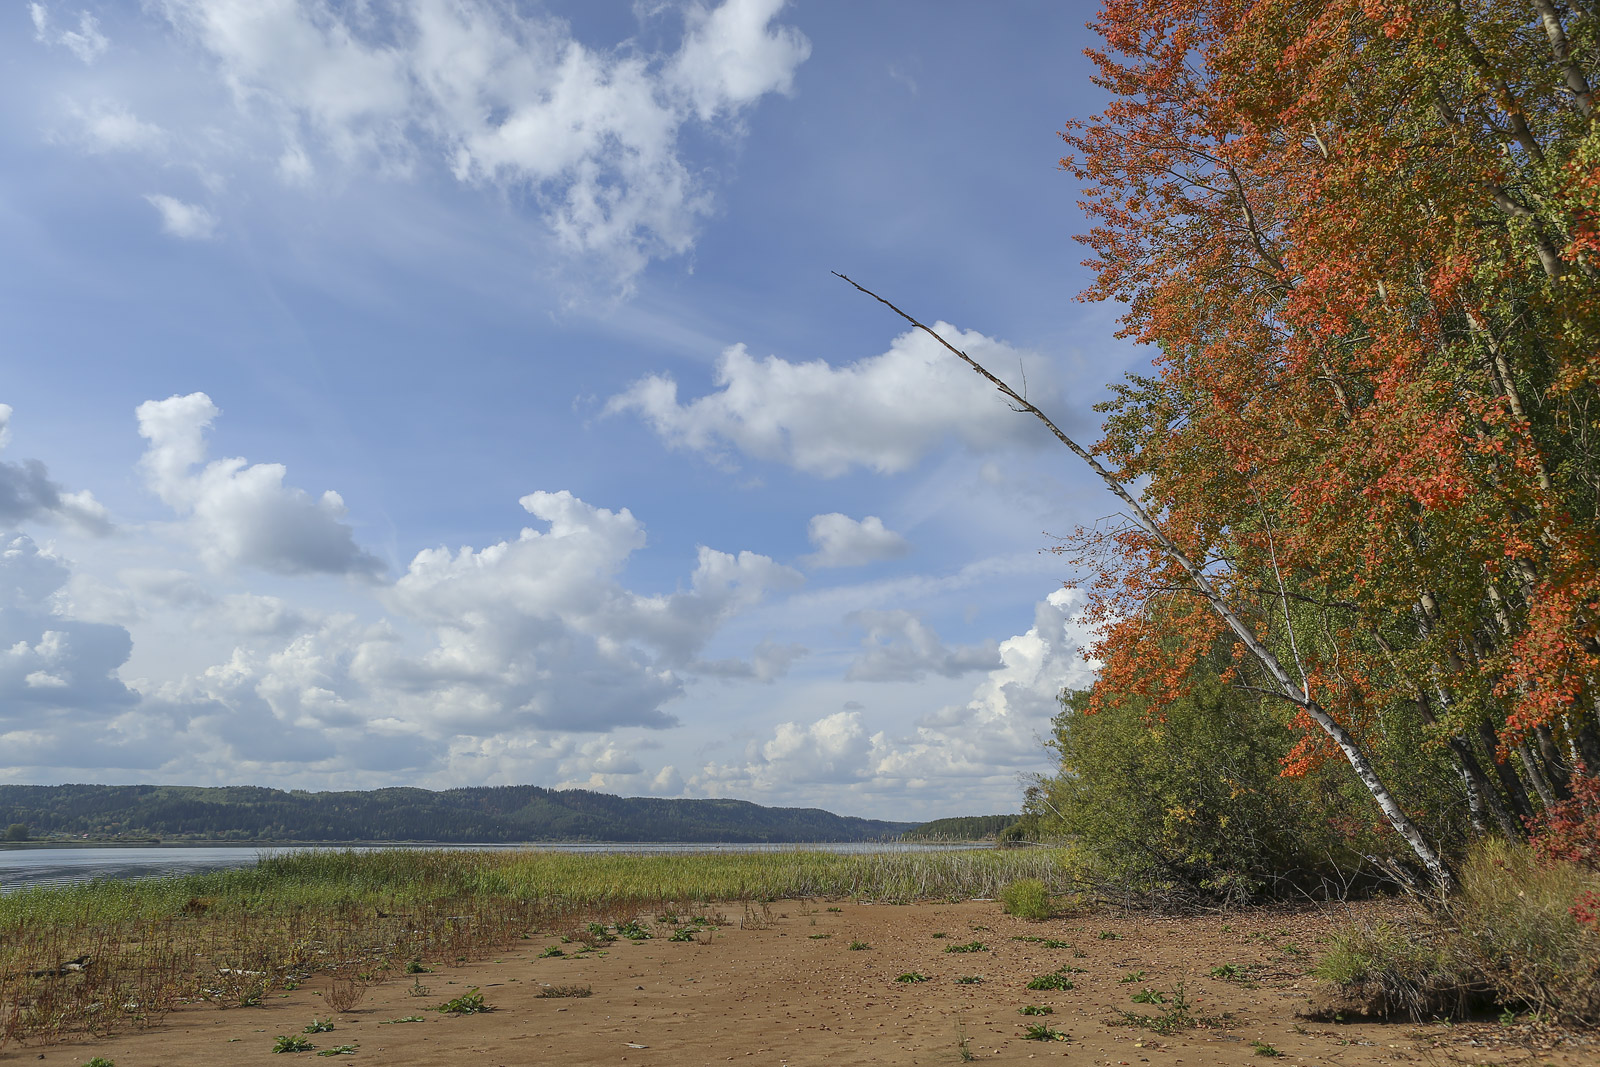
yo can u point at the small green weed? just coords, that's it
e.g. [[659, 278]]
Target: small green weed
[[1264, 1049], [969, 979], [339, 1050], [1036, 1009], [402, 1019], [1051, 942], [551, 953], [418, 967], [1149, 996], [859, 946], [418, 989], [836, 909], [319, 1026], [1228, 972], [1053, 980], [912, 976], [1109, 935], [1042, 1032], [1132, 976], [819, 937], [292, 1043], [683, 933], [970, 946], [100, 1061], [1177, 1016], [940, 934], [468, 1003], [633, 931]]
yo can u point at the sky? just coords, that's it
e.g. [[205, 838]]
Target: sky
[[458, 392]]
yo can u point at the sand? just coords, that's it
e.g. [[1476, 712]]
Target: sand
[[790, 991]]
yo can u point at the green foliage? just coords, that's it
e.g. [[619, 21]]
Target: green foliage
[[1036, 1009], [859, 946], [468, 1003], [970, 979], [1042, 1032], [319, 1026], [970, 946], [100, 1061], [339, 1050], [16, 832], [1264, 1049], [1190, 797], [292, 1043], [912, 976], [963, 828], [1027, 898], [1053, 980]]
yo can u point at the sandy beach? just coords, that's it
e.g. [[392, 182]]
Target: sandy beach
[[786, 988]]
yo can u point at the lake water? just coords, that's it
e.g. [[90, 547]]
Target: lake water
[[21, 868]]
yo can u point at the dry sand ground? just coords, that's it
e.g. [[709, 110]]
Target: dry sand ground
[[794, 993]]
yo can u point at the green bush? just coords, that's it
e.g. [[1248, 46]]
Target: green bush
[[1027, 898]]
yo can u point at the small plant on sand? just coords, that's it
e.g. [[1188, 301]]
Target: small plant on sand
[[963, 1045], [549, 991], [1027, 898], [1264, 1049], [318, 1026], [468, 1003], [1036, 1009], [1042, 1032], [633, 931], [970, 979], [1053, 980], [912, 976], [100, 1061], [402, 1019], [859, 946], [1051, 942], [819, 937], [1131, 977], [684, 933], [1109, 935], [418, 989], [1229, 972], [339, 1050], [1177, 1016], [970, 946], [939, 935], [836, 909], [1149, 996], [553, 952], [417, 967], [292, 1043]]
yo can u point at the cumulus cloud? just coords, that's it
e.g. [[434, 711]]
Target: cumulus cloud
[[86, 42], [884, 412], [185, 221], [900, 647], [52, 667], [971, 752], [843, 542], [240, 513], [28, 494], [498, 97]]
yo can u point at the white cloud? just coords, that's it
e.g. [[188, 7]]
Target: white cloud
[[965, 754], [239, 513], [185, 221], [54, 669], [900, 647], [86, 42], [497, 97], [111, 126], [730, 58], [843, 542], [27, 493], [884, 412]]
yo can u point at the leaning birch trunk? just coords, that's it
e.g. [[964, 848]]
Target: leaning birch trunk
[[1283, 684]]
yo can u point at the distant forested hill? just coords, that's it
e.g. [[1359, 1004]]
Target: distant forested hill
[[963, 828], [497, 814]]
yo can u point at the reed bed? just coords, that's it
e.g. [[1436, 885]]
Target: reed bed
[[110, 955]]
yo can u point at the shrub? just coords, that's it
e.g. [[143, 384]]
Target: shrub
[[468, 1003], [1027, 898]]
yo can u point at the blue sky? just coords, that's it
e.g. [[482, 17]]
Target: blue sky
[[457, 393]]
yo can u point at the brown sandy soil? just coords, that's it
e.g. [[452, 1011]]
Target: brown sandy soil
[[794, 993]]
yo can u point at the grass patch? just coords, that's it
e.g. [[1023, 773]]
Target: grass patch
[[1177, 1016], [913, 976], [1027, 898], [1228, 972], [339, 1050], [1053, 980], [1264, 1049], [969, 979], [859, 946]]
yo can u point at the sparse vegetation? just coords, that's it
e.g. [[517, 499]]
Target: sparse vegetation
[[1042, 1032], [551, 991], [468, 1003], [1027, 898], [1053, 980], [1036, 1009], [913, 976], [859, 946], [318, 1026], [970, 946], [292, 1043]]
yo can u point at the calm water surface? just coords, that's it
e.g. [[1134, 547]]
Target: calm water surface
[[21, 868]]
